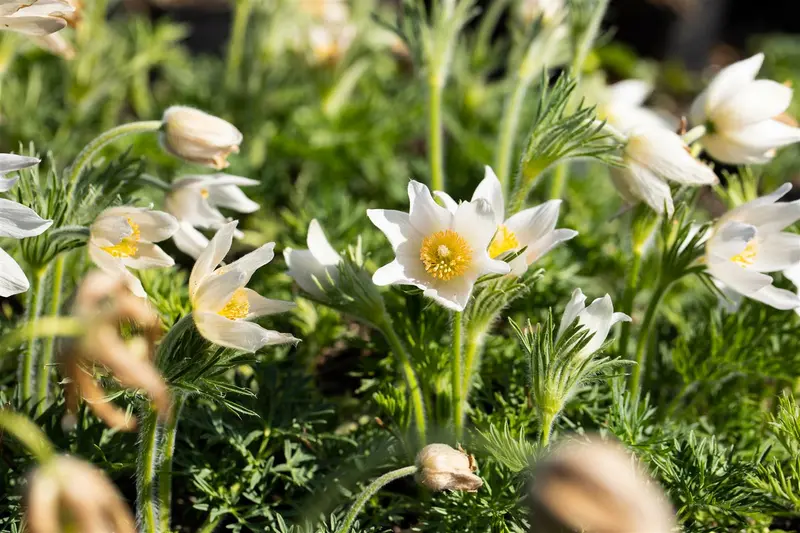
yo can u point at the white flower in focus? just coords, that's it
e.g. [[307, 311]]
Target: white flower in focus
[[597, 317], [534, 228], [34, 17], [221, 303], [623, 108], [194, 201], [748, 242], [441, 252], [12, 163], [793, 274], [122, 237], [549, 10], [652, 157], [741, 115], [316, 266], [198, 137]]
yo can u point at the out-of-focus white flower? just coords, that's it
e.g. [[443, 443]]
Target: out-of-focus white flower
[[534, 228], [623, 107], [549, 10], [441, 252], [34, 17], [198, 137], [330, 42], [313, 269], [748, 242], [123, 237], [652, 157], [741, 114], [194, 201], [223, 305], [597, 317]]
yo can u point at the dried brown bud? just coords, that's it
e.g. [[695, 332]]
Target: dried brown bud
[[68, 487], [441, 467], [104, 302], [594, 487]]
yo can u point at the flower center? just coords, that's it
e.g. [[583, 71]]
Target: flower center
[[129, 245], [237, 307], [504, 240], [204, 193], [748, 255], [445, 254]]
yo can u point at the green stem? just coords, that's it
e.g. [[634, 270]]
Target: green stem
[[237, 42], [370, 491], [210, 524], [28, 363], [471, 356], [28, 433], [547, 428], [146, 463], [88, 153], [458, 376], [43, 386], [435, 134], [508, 132], [627, 302], [412, 382], [644, 336], [165, 469], [559, 182]]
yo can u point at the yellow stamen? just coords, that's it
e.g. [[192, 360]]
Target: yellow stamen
[[445, 254], [748, 255], [204, 193], [129, 245], [504, 241], [237, 307]]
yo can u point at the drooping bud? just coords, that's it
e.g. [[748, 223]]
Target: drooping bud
[[198, 137], [441, 467]]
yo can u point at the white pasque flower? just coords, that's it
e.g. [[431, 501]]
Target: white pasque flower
[[441, 252], [623, 106], [34, 17], [652, 157], [747, 243], [314, 268], [533, 228], [194, 201], [198, 137], [123, 237], [793, 274], [16, 222], [597, 317], [222, 305], [742, 114], [549, 10]]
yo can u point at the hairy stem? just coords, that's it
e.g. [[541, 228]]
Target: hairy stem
[[28, 363], [458, 376], [644, 336], [370, 491], [627, 301], [146, 464], [210, 524], [559, 182], [165, 469], [43, 384], [548, 419], [435, 134], [237, 41]]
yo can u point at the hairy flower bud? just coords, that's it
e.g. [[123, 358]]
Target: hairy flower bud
[[441, 467], [596, 487], [198, 137]]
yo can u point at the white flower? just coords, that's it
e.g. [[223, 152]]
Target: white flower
[[222, 305], [194, 201], [16, 222], [623, 107], [653, 156], [123, 237], [747, 243], [793, 274], [440, 252], [549, 10], [740, 114], [198, 137], [316, 266], [598, 318], [534, 228], [34, 17]]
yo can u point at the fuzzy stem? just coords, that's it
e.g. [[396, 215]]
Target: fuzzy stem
[[370, 491], [146, 464], [559, 182], [627, 302], [435, 134], [547, 428], [165, 469], [28, 433], [210, 524], [644, 336], [472, 350], [28, 363], [43, 385], [237, 42], [458, 376], [508, 132]]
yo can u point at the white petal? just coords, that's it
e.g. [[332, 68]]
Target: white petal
[[453, 294], [251, 262], [114, 267], [575, 306], [395, 225], [763, 136], [189, 241], [758, 101], [425, 215], [649, 188], [110, 230], [629, 92], [745, 211], [319, 246], [396, 273], [18, 221], [232, 197], [665, 154], [530, 225], [777, 298], [230, 179], [475, 222], [731, 80], [627, 119], [730, 239], [260, 306], [484, 264], [446, 200], [216, 291], [12, 278], [215, 252], [33, 25], [304, 268], [776, 251], [724, 149], [155, 226], [597, 319], [620, 317], [741, 280], [7, 184], [490, 190], [13, 162], [541, 247], [148, 255], [238, 334]]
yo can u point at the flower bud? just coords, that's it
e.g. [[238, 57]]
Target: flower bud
[[198, 137], [596, 487], [441, 467]]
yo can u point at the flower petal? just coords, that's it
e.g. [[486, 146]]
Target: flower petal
[[575, 306], [114, 267], [730, 239], [12, 278], [18, 221], [491, 190], [148, 255], [189, 240], [217, 290], [304, 268], [453, 294], [530, 225], [777, 298], [425, 215], [777, 251], [319, 246], [231, 197], [238, 334], [14, 162], [215, 252], [665, 154], [399, 272], [475, 222], [742, 280], [446, 200], [396, 225], [541, 247], [757, 101], [260, 306], [649, 188], [251, 262], [723, 149], [763, 136], [597, 319], [154, 226], [746, 211], [731, 80]]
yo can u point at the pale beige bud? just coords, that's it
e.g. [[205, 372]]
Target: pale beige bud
[[441, 467], [595, 487], [198, 137], [67, 494]]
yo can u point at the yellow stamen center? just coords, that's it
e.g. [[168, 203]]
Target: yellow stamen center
[[445, 254], [204, 193], [748, 255], [129, 245], [237, 307], [504, 241]]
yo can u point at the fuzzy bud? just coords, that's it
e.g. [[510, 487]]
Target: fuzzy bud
[[198, 137], [441, 467], [596, 487]]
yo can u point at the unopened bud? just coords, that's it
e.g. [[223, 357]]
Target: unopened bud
[[198, 137], [441, 467]]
